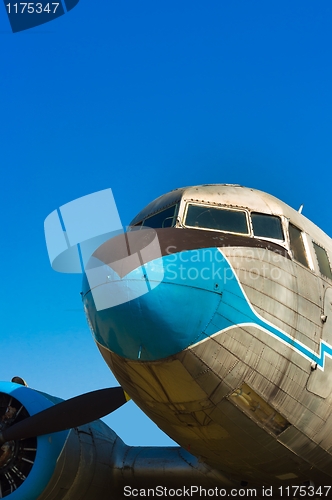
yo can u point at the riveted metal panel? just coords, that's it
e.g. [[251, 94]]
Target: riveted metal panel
[[320, 382]]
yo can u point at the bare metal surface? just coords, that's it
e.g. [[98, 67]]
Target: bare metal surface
[[321, 382], [95, 464]]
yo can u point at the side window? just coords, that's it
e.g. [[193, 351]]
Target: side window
[[323, 261], [267, 226], [297, 245], [162, 219]]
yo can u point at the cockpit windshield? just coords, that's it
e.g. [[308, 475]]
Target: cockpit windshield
[[232, 220], [218, 219], [162, 219], [267, 226]]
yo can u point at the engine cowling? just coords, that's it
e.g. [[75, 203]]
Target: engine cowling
[[69, 464], [26, 466]]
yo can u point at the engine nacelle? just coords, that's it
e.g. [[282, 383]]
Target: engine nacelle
[[70, 464]]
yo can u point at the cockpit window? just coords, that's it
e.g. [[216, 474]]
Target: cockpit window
[[165, 218], [297, 245], [323, 261], [267, 226], [218, 219]]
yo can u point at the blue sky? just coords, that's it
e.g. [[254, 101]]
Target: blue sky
[[144, 97]]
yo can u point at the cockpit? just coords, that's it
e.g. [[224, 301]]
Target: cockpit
[[176, 210], [212, 218], [235, 221]]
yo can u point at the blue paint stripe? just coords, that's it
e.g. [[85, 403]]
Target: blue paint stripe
[[241, 312], [185, 309]]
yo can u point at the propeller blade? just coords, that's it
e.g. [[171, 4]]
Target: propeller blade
[[67, 414]]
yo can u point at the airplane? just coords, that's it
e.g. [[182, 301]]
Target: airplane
[[213, 311]]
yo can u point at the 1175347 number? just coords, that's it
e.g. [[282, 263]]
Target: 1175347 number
[[304, 491], [32, 8]]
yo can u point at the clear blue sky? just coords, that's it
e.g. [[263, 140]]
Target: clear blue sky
[[144, 97]]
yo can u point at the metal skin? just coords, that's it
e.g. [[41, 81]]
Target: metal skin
[[230, 354]]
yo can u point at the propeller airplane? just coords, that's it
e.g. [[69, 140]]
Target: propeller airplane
[[213, 310]]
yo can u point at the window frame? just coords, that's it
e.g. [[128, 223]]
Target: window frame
[[267, 238], [218, 207], [176, 210], [306, 247], [317, 260]]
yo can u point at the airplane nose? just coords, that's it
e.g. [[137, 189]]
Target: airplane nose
[[157, 309]]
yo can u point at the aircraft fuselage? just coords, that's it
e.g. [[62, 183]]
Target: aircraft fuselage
[[229, 349]]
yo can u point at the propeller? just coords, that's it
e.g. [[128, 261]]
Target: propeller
[[67, 414]]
